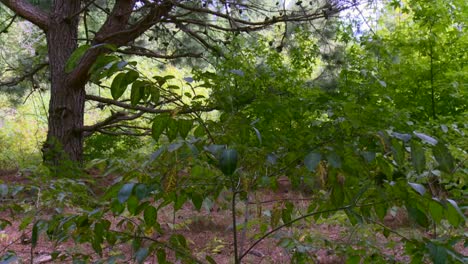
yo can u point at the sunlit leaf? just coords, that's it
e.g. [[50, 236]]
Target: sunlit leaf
[[125, 192], [454, 215], [425, 138], [75, 57], [400, 136], [257, 133], [418, 187]]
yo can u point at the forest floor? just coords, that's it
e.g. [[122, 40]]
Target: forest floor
[[209, 232]]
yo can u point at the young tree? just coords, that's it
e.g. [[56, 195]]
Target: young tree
[[125, 21]]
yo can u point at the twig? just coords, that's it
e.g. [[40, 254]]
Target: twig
[[9, 24], [289, 223]]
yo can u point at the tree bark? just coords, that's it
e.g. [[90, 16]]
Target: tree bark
[[66, 107]]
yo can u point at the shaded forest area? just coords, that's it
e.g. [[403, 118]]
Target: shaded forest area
[[171, 131]]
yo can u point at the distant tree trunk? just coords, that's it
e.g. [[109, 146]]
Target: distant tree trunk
[[66, 106]]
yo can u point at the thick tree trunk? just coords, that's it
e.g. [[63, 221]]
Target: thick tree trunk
[[66, 107]]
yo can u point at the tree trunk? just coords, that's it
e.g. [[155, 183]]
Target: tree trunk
[[66, 106]]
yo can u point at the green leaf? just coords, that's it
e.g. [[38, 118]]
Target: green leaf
[[228, 161], [454, 215], [138, 91], [353, 216], [178, 240], [132, 204], [37, 228], [398, 151], [286, 213], [184, 127], [312, 160], [161, 255], [131, 76], [118, 86], [150, 215], [141, 191], [101, 62], [141, 255], [199, 131], [437, 252], [75, 58], [334, 160], [180, 201], [155, 94], [159, 125], [117, 207], [425, 138], [337, 195], [418, 187], [111, 47], [141, 207], [380, 210], [172, 129], [197, 200], [98, 232], [98, 238], [34, 234], [418, 216], [385, 167], [125, 192], [418, 158], [97, 247], [161, 81], [436, 210], [443, 157], [356, 259]]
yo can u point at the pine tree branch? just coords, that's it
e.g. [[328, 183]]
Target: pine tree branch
[[147, 109], [25, 76], [140, 51], [29, 12]]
